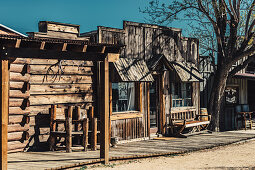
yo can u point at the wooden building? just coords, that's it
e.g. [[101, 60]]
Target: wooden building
[[39, 71], [239, 91], [171, 59], [155, 77]]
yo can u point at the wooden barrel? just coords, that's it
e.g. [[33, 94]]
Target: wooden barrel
[[203, 111]]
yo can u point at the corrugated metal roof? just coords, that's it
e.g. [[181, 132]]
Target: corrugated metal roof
[[131, 70], [187, 71]]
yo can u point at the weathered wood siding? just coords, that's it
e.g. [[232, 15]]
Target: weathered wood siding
[[19, 105], [70, 84], [144, 41]]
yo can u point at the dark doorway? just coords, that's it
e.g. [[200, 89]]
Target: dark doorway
[[251, 94], [154, 93]]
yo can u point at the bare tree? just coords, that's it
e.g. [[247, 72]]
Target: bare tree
[[225, 27]]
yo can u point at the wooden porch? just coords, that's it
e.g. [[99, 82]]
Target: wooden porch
[[131, 150]]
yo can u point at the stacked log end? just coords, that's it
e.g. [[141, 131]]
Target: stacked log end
[[19, 110]]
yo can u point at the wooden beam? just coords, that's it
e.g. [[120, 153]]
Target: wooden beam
[[18, 41], [103, 49], [64, 47], [54, 54], [112, 57], [148, 110], [104, 114], [162, 104], [42, 45], [84, 49], [4, 112]]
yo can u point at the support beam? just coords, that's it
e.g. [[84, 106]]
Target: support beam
[[4, 112], [148, 109], [162, 104], [104, 113], [54, 54]]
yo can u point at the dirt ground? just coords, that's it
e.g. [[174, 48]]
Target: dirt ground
[[235, 156]]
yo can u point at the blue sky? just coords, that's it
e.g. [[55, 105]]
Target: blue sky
[[24, 15]]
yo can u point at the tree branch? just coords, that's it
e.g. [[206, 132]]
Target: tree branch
[[241, 66]]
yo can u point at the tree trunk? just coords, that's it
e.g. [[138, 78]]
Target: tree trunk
[[216, 99]]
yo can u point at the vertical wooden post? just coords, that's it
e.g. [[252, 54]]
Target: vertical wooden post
[[162, 104], [52, 126], [104, 114], [148, 109], [85, 133], [4, 112], [110, 110], [69, 129], [94, 135]]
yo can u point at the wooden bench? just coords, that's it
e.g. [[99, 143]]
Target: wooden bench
[[177, 121]]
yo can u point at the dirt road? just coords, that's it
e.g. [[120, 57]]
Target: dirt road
[[236, 156]]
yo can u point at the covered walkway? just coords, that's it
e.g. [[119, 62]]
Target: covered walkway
[[132, 150]]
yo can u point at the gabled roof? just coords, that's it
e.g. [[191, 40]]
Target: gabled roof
[[132, 70], [186, 71], [11, 30]]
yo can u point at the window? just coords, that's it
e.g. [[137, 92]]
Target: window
[[123, 97], [181, 94]]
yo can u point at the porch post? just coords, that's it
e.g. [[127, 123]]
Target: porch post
[[104, 114], [162, 104], [4, 112]]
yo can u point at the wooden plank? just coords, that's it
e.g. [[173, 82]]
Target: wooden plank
[[19, 94], [94, 134], [162, 105], [69, 69], [14, 145], [59, 99], [18, 128], [19, 68], [85, 133], [17, 136], [18, 111], [60, 79], [77, 63], [19, 77], [60, 88], [148, 109], [69, 129], [21, 119], [16, 102], [4, 112], [104, 114], [128, 115], [24, 86], [21, 61]]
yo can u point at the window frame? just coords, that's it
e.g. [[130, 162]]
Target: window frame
[[180, 93], [138, 99]]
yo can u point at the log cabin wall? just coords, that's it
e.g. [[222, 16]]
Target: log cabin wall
[[60, 82], [19, 109]]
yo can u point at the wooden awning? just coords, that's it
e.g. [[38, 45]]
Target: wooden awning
[[249, 76], [187, 71], [132, 70], [50, 48]]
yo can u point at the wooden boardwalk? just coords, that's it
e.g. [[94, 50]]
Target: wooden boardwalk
[[55, 160]]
